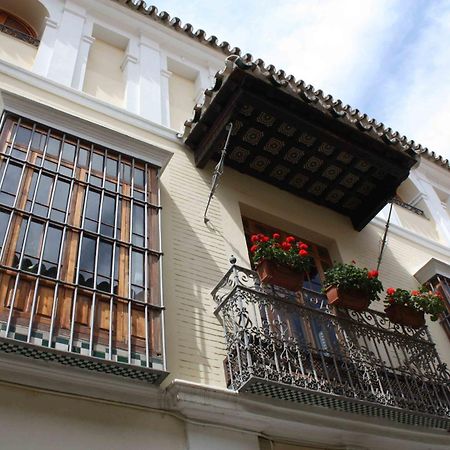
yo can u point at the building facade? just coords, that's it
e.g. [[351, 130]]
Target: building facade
[[129, 318]]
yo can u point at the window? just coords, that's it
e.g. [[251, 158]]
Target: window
[[16, 27], [79, 250], [310, 295]]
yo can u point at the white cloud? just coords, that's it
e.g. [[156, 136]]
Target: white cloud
[[389, 58]]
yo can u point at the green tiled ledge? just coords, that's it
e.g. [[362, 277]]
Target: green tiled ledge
[[15, 346]]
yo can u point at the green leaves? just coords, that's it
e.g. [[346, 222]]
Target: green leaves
[[349, 276]]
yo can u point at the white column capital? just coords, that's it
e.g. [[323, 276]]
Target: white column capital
[[166, 73], [51, 23], [128, 59], [88, 39], [144, 41]]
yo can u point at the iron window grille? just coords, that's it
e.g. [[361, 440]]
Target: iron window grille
[[80, 246]]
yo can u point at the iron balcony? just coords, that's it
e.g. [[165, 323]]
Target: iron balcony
[[293, 347]]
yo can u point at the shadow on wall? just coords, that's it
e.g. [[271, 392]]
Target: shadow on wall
[[195, 259]]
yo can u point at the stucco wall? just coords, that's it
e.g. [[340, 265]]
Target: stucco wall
[[36, 420], [181, 97], [104, 77], [196, 256], [16, 52]]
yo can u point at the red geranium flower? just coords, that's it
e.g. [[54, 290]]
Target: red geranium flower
[[372, 274], [253, 248], [303, 246], [276, 236], [391, 300], [415, 293], [303, 252], [390, 291], [254, 238], [290, 239], [265, 239], [286, 246]]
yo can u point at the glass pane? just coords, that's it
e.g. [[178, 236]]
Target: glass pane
[[23, 136], [87, 256], [11, 180], [109, 207], [61, 195], [137, 268], [44, 189], [83, 158], [52, 245], [38, 141], [4, 217], [139, 178], [31, 191], [111, 168], [97, 162], [138, 225], [68, 152], [104, 259], [53, 146], [93, 205], [126, 173], [33, 244]]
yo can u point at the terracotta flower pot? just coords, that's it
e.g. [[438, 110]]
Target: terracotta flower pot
[[355, 299], [272, 273], [404, 315]]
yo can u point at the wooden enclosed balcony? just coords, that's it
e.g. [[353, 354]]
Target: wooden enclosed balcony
[[292, 347]]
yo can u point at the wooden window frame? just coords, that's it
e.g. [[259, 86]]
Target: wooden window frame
[[41, 303]]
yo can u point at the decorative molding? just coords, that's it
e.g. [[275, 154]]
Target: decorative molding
[[166, 73], [84, 129], [430, 269], [51, 23], [128, 58], [413, 237], [88, 101], [88, 39]]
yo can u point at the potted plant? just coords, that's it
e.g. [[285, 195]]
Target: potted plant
[[349, 286], [409, 308], [282, 263]]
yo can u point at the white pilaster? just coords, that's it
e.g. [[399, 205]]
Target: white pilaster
[[83, 54], [67, 45], [434, 205], [165, 95], [202, 82], [150, 80], [130, 69], [44, 54]]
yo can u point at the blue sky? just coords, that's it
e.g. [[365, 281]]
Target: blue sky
[[388, 58]]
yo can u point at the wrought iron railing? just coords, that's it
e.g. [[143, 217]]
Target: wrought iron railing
[[19, 35], [407, 206], [291, 346]]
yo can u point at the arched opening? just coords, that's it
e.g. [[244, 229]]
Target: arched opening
[[23, 20], [14, 26]]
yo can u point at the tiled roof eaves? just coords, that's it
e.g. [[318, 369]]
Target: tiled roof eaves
[[306, 92], [175, 23], [316, 99]]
